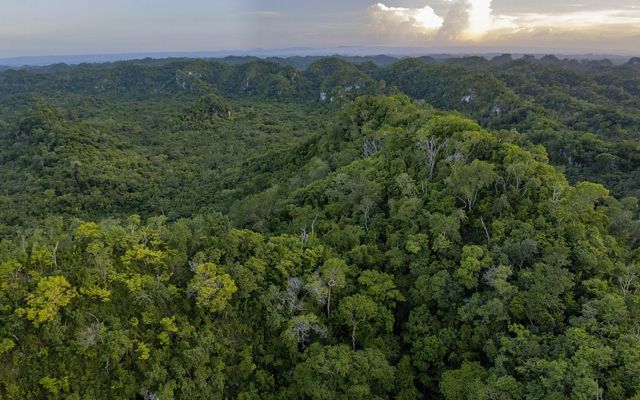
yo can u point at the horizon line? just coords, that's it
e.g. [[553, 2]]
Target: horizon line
[[302, 51]]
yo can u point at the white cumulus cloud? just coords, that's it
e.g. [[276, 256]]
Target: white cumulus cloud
[[405, 20], [475, 20]]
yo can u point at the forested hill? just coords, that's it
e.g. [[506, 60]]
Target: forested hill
[[192, 229], [587, 114]]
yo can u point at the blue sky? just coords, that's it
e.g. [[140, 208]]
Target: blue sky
[[46, 27]]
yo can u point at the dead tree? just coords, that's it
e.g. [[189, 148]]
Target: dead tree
[[431, 148], [369, 147]]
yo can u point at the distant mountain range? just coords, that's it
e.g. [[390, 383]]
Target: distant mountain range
[[347, 51]]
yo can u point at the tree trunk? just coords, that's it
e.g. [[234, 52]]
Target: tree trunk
[[353, 335], [329, 303]]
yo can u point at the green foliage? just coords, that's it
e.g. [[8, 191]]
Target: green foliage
[[51, 294], [211, 287], [289, 250], [466, 181], [337, 372]]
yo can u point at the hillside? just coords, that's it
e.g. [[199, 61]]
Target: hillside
[[196, 229], [587, 116]]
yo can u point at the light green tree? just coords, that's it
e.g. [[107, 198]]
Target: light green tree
[[51, 294], [211, 287]]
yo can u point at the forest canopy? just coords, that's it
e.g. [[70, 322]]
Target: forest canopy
[[466, 229]]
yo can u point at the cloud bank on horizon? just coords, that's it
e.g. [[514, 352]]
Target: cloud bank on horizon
[[45, 27], [475, 21]]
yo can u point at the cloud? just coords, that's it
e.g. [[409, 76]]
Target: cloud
[[475, 21], [578, 19], [471, 20], [405, 21], [464, 20]]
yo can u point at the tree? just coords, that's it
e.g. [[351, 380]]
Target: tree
[[466, 181], [380, 287], [628, 279], [465, 383], [338, 372], [472, 382], [545, 303], [356, 310], [474, 260], [301, 327], [51, 294], [211, 287], [431, 147], [332, 273]]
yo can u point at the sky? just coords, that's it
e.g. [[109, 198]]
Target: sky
[[46, 27]]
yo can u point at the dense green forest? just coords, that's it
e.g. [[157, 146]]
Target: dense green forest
[[321, 229]]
